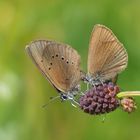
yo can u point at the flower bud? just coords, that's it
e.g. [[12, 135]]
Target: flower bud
[[128, 104]]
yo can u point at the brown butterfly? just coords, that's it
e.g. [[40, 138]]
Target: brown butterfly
[[106, 57], [59, 63]]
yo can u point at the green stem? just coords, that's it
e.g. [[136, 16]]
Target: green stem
[[128, 94]]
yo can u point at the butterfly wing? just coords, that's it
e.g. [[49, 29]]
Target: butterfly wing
[[58, 62], [107, 57]]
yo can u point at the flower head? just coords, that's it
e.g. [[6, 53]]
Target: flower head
[[100, 99]]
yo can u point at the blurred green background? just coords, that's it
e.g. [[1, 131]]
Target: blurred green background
[[23, 90]]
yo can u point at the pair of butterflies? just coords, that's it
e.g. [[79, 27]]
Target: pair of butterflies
[[60, 63]]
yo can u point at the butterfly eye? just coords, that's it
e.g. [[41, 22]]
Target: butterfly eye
[[67, 61], [49, 68], [56, 55], [52, 56], [50, 63]]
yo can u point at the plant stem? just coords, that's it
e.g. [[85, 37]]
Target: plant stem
[[128, 94]]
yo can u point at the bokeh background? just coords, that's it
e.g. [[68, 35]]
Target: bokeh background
[[23, 90]]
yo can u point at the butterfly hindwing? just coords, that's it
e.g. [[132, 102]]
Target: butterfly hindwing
[[107, 57]]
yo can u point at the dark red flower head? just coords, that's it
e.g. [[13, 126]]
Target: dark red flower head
[[100, 99]]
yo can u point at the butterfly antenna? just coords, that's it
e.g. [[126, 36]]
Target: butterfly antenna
[[52, 99]]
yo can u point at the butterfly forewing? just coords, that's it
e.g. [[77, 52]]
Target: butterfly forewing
[[107, 57], [59, 62]]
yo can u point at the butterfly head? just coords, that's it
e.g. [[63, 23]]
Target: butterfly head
[[70, 95], [63, 97]]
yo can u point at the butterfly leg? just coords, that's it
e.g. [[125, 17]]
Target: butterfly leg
[[87, 86], [93, 84], [72, 100], [101, 81], [74, 103], [82, 93]]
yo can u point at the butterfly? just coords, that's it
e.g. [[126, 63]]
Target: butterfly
[[106, 57], [59, 63]]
